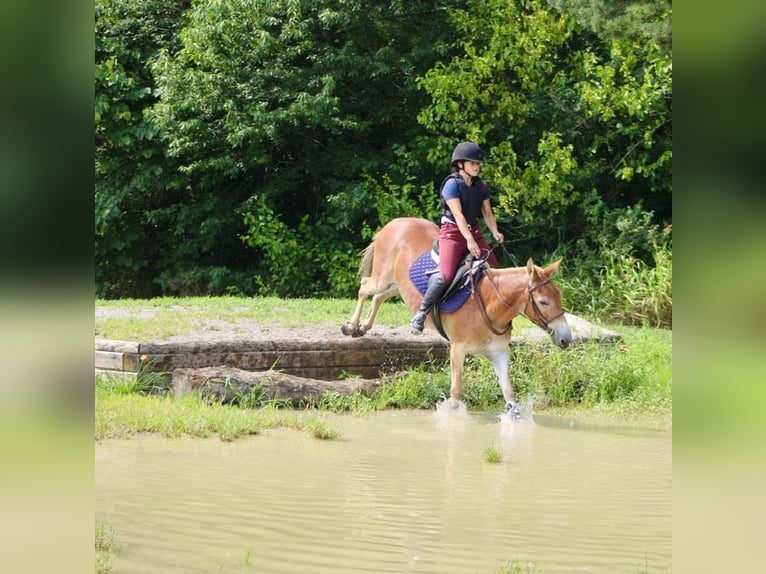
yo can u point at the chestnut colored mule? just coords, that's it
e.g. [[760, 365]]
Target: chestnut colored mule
[[482, 326]]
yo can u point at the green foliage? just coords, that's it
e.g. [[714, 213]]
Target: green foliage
[[144, 382], [518, 567], [322, 429], [119, 414], [635, 373], [492, 454], [308, 261], [625, 289], [337, 403], [254, 148], [130, 159], [632, 293], [106, 537], [638, 20], [420, 389], [576, 125]]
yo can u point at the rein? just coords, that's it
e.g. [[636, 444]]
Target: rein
[[483, 308], [530, 288]]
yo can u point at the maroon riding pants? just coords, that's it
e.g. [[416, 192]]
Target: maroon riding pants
[[452, 246]]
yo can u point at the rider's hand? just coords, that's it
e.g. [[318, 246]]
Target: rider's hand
[[473, 247], [499, 237]]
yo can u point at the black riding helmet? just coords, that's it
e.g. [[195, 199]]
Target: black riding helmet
[[467, 151]]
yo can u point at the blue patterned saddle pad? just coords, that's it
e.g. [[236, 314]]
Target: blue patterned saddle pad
[[418, 276]]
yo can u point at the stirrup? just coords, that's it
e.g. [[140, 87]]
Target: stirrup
[[416, 325]]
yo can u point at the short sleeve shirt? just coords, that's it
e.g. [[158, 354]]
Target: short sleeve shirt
[[451, 190]]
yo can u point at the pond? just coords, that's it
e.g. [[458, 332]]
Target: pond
[[400, 492]]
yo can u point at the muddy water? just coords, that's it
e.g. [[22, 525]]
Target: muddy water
[[400, 492]]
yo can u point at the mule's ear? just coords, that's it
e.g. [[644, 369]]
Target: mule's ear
[[552, 268], [530, 267]]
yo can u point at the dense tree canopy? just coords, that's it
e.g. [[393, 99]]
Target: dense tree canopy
[[254, 146], [577, 125]]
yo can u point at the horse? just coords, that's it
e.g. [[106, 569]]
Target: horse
[[483, 324]]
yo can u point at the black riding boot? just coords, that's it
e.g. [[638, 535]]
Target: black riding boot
[[436, 285]]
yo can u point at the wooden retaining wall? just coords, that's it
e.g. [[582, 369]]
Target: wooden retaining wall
[[365, 357], [327, 359]]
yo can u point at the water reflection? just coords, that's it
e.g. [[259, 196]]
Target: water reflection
[[401, 492]]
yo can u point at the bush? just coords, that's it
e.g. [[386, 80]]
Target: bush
[[627, 291], [636, 371], [633, 293]]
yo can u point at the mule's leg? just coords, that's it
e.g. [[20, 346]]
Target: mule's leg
[[351, 327], [377, 301], [456, 360], [500, 361], [368, 288]]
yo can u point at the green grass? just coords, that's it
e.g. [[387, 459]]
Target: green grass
[[627, 291], [492, 454], [121, 414], [517, 567], [106, 537], [632, 375], [630, 378]]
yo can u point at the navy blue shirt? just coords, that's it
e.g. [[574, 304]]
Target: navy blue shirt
[[451, 190]]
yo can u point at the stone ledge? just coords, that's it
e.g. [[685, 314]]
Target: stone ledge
[[383, 351]]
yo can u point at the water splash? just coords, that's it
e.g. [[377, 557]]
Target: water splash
[[526, 410], [451, 418], [451, 406]]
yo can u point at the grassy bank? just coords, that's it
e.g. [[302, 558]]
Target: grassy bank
[[125, 408], [623, 381]]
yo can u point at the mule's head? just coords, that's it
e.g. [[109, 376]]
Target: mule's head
[[544, 305]]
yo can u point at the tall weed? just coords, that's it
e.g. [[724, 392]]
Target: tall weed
[[633, 293], [627, 291]]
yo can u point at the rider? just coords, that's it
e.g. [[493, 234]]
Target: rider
[[464, 197]]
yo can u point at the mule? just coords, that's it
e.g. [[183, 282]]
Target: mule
[[482, 325]]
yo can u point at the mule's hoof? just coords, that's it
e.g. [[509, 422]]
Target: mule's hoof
[[358, 331], [513, 409]]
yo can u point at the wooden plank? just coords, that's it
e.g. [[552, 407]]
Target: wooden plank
[[116, 346], [109, 360]]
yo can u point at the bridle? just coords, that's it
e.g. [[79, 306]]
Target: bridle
[[545, 322], [530, 289]]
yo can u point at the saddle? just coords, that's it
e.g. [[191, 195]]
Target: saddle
[[467, 268], [468, 271]]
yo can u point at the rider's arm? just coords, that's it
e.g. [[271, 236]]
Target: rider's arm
[[489, 219], [457, 212]]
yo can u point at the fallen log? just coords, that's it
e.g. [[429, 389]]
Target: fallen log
[[232, 385]]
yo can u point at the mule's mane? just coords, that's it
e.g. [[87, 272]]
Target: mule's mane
[[508, 270], [518, 272]]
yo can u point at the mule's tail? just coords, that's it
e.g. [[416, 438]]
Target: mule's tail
[[365, 267]]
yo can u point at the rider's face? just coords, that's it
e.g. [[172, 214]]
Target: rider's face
[[472, 167]]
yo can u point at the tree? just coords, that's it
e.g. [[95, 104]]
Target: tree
[[576, 125], [281, 110], [130, 163], [254, 147], [637, 20]]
